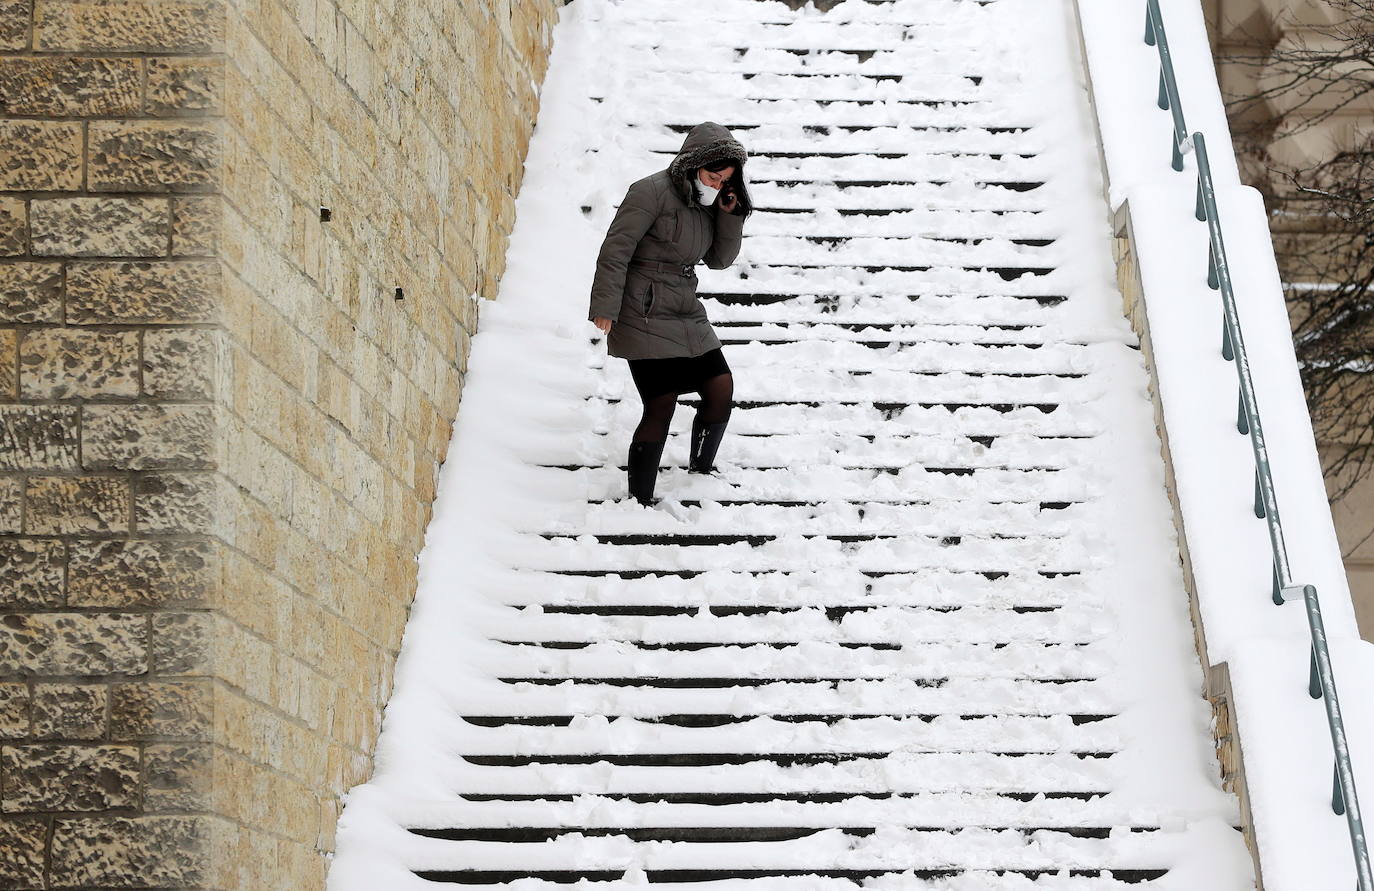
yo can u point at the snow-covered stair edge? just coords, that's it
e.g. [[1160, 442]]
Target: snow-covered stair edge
[[1286, 748]]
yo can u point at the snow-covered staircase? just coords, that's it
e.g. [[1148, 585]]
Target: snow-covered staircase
[[926, 627]]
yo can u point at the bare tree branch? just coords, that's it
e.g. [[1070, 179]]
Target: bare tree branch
[[1331, 303], [1326, 241]]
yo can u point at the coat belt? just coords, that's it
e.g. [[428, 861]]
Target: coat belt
[[683, 270]]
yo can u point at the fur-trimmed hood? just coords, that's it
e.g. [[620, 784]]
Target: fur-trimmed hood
[[705, 143]]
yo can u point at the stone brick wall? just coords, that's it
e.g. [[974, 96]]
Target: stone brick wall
[[237, 248]]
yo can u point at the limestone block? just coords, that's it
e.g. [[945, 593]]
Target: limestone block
[[179, 363], [147, 437], [168, 710], [138, 573], [50, 776], [100, 227], [62, 363], [31, 572], [76, 505], [142, 293], [22, 839], [30, 292], [14, 227], [69, 711], [14, 35], [9, 364], [38, 437], [176, 777], [182, 643], [47, 644], [40, 155], [174, 503], [131, 852], [129, 26], [14, 715], [67, 86], [185, 86], [11, 505], [195, 226], [150, 156], [245, 662]]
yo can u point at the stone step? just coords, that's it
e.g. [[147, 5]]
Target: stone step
[[924, 357], [813, 660], [885, 624], [824, 589], [1088, 812], [810, 722], [673, 880], [895, 772]]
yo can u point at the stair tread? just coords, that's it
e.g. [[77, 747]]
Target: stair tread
[[1030, 733], [804, 661], [827, 850], [896, 697], [959, 809], [797, 588], [894, 624]]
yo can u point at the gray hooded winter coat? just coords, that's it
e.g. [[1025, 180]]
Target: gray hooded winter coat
[[660, 231]]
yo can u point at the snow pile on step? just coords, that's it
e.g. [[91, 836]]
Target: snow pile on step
[[927, 627]]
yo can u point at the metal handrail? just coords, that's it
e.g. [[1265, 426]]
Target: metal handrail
[[1168, 86], [1321, 676], [1233, 348]]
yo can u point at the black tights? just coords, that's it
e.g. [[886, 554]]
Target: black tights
[[716, 398]]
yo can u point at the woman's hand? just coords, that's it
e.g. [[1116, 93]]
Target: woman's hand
[[728, 202], [603, 323]]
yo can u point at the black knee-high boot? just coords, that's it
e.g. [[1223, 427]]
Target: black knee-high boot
[[705, 441], [643, 473]]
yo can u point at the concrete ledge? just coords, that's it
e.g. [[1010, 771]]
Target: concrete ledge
[[1217, 678]]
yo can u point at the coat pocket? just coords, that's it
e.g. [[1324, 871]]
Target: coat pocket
[[649, 299]]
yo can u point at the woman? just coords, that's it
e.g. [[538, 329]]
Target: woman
[[644, 295]]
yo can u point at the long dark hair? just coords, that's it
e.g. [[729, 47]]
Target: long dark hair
[[735, 183]]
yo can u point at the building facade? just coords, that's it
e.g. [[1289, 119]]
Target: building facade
[[1283, 123]]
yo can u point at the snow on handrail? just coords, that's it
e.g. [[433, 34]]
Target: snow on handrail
[[1322, 679], [1233, 349], [1168, 86]]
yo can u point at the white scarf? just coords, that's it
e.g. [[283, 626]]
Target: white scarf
[[705, 194]]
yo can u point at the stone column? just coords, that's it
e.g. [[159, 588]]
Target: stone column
[[242, 248], [109, 294]]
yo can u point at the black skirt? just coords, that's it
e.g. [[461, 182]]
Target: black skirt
[[680, 374]]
